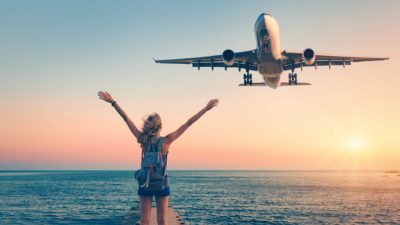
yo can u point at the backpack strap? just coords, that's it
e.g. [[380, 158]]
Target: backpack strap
[[165, 164], [159, 148], [160, 144], [166, 158]]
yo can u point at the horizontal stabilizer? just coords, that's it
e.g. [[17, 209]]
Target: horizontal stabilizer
[[254, 84], [298, 84], [282, 84]]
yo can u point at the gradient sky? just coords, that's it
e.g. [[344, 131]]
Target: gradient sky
[[56, 55]]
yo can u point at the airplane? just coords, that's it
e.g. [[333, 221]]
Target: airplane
[[268, 59]]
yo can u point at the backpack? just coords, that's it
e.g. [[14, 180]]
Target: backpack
[[152, 175]]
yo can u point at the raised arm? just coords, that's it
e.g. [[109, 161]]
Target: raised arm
[[108, 98], [174, 135]]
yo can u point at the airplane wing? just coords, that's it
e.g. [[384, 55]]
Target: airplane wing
[[293, 60], [243, 60]]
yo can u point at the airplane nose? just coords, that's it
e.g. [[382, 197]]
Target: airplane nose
[[262, 16], [265, 15]]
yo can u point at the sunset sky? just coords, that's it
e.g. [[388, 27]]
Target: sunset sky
[[56, 55]]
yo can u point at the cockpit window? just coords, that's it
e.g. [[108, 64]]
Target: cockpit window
[[264, 34], [264, 38]]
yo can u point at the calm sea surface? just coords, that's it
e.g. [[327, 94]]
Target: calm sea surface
[[204, 197]]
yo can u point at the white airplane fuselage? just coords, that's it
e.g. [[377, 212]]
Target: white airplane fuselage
[[269, 58]]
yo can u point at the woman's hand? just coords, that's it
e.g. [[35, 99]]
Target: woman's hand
[[212, 103], [105, 96]]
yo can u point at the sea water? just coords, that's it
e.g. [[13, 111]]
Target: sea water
[[204, 197]]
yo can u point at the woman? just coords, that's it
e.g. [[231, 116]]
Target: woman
[[150, 135]]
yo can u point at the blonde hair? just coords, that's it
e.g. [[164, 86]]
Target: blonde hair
[[148, 134]]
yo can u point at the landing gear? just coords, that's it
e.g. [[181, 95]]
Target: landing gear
[[248, 79], [292, 78]]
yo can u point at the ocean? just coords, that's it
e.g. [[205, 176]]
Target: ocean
[[204, 197]]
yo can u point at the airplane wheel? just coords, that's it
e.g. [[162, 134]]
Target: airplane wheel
[[292, 78], [247, 79]]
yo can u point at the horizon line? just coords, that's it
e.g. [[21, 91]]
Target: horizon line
[[232, 170]]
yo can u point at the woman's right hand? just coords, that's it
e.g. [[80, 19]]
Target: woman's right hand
[[212, 103], [105, 96]]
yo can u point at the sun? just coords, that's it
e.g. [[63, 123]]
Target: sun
[[356, 144]]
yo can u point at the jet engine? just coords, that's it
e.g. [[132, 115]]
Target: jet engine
[[229, 57], [309, 56]]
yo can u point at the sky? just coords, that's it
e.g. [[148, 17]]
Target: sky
[[56, 55]]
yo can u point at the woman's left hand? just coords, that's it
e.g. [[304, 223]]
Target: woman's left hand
[[105, 96]]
